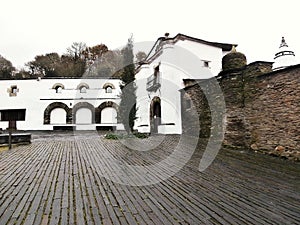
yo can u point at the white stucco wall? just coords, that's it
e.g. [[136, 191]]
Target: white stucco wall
[[35, 96], [143, 101], [169, 95], [205, 53], [184, 60]]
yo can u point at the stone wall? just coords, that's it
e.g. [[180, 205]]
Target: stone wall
[[272, 111], [195, 107], [262, 109]]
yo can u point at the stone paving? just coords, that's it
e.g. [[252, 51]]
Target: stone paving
[[59, 179]]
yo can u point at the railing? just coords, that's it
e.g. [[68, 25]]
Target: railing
[[153, 82]]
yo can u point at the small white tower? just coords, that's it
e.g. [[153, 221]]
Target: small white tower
[[284, 57]]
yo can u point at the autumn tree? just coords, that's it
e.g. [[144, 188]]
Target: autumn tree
[[127, 108], [95, 52], [92, 56], [78, 61]]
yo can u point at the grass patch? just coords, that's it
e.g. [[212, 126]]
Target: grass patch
[[115, 136], [112, 136], [141, 135]]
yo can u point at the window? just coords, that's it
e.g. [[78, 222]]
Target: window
[[206, 63], [82, 87], [108, 89], [83, 90], [153, 82], [13, 90], [13, 114], [156, 71], [58, 89]]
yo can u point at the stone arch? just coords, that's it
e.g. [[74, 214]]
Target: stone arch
[[55, 105], [58, 87], [108, 85], [81, 85], [104, 105], [80, 105]]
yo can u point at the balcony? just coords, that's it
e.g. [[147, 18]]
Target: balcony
[[153, 82]]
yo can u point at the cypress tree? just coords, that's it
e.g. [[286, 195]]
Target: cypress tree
[[127, 108]]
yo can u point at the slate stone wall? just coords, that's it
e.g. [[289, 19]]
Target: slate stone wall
[[195, 108], [262, 109], [272, 109]]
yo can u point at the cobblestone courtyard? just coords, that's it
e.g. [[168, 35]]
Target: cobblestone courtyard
[[58, 180]]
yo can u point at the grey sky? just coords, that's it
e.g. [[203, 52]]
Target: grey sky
[[33, 27]]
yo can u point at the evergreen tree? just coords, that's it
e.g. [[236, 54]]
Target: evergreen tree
[[127, 108], [6, 68]]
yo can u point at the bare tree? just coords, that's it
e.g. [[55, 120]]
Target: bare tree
[[76, 50]]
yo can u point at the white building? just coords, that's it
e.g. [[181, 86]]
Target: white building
[[160, 78], [90, 104], [50, 104]]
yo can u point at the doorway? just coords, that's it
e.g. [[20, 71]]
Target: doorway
[[155, 114]]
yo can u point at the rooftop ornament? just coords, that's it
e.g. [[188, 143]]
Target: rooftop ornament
[[283, 43]]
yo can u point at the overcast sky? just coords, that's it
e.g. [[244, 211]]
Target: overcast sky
[[33, 27]]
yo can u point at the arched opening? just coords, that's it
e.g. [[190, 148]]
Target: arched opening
[[58, 87], [58, 116], [107, 112], [83, 113], [108, 87], [108, 115], [84, 116], [82, 87], [155, 114]]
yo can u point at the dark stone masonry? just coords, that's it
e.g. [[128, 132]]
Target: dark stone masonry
[[262, 107]]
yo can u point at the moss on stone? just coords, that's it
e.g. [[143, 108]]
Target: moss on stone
[[233, 60]]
